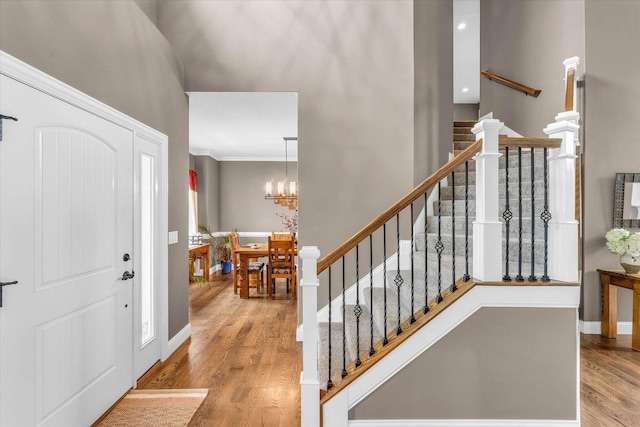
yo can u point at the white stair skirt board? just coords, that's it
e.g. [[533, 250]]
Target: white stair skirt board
[[177, 340], [594, 328], [463, 423], [336, 409]]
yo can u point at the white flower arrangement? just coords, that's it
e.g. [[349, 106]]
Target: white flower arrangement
[[621, 241]]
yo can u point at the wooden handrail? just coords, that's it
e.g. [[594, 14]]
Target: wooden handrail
[[568, 97], [510, 83], [528, 142], [396, 208]]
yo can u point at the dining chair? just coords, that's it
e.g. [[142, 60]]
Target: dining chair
[[281, 265], [281, 235], [254, 267]]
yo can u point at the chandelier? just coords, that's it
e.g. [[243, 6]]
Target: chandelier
[[287, 191]]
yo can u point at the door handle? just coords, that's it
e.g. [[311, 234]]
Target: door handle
[[3, 284], [126, 275]]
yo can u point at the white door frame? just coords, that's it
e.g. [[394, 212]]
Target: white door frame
[[24, 73]]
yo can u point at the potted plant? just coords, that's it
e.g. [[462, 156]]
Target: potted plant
[[221, 245], [626, 244]]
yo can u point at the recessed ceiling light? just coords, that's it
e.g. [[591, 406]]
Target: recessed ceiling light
[[462, 26], [465, 89]]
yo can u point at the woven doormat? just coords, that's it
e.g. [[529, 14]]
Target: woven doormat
[[155, 408]]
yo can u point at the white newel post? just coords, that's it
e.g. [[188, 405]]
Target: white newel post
[[563, 227], [309, 382], [487, 228]]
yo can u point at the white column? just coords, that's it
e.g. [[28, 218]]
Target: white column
[[563, 227], [487, 229], [309, 382]]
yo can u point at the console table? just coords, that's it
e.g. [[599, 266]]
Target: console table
[[203, 251], [609, 320]]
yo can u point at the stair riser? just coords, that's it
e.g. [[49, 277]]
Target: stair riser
[[460, 248], [446, 223], [446, 192], [513, 166], [446, 206], [459, 136]]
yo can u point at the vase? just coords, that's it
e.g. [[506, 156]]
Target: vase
[[630, 263]]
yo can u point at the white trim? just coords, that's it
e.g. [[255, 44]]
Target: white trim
[[478, 297], [201, 152], [300, 333], [30, 76], [177, 340], [463, 423], [594, 327]]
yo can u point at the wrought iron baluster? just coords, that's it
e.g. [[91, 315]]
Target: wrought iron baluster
[[507, 214], [385, 340], [412, 319], [357, 310], [329, 382], [466, 276], [398, 279], [532, 276], [519, 277], [425, 309], [546, 217], [453, 286], [439, 246], [371, 349], [344, 322]]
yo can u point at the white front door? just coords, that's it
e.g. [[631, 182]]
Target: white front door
[[65, 223]]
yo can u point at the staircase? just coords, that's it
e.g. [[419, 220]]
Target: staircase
[[372, 303], [484, 227]]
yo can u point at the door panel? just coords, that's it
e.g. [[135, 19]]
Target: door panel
[[65, 220]]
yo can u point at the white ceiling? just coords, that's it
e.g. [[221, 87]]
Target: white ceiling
[[234, 126], [466, 51]]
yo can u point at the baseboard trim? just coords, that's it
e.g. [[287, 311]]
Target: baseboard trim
[[594, 328], [177, 340], [463, 423]]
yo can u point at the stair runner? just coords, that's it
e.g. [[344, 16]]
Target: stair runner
[[424, 246]]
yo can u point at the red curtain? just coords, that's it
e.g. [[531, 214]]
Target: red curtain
[[193, 180]]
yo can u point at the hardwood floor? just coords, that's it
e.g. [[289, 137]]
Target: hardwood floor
[[610, 381], [245, 353]]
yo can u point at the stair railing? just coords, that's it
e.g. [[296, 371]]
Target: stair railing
[[559, 257], [511, 84]]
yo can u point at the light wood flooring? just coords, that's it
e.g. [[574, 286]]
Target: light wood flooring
[[245, 353]]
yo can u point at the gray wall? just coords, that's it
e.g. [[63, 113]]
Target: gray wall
[[352, 66], [611, 145], [242, 203], [501, 363], [149, 8], [208, 191], [111, 51], [465, 111], [527, 41], [433, 80]]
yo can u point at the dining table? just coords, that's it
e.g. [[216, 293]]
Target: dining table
[[244, 253]]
